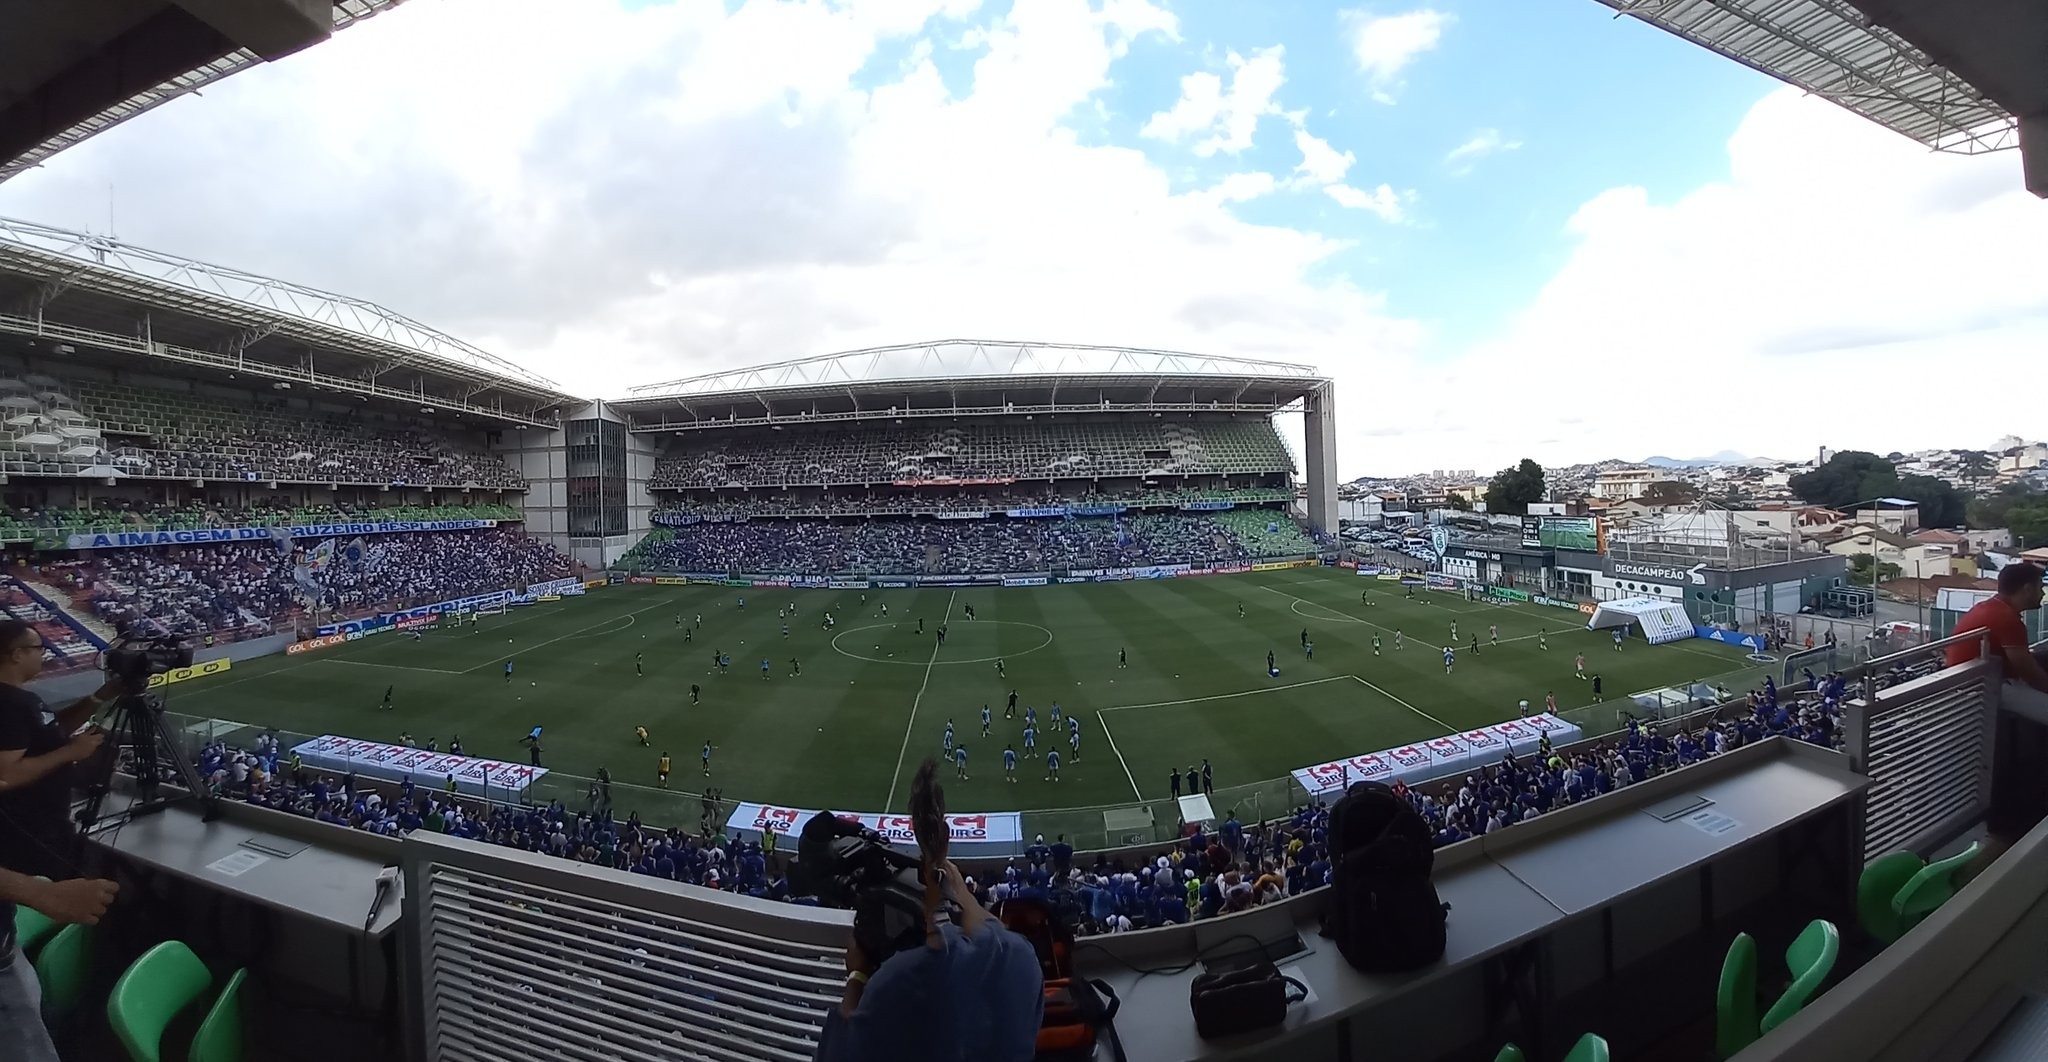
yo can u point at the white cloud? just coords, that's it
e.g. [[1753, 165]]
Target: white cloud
[[1383, 201], [1481, 144], [1230, 116], [1321, 164], [1842, 286], [613, 196], [1384, 45]]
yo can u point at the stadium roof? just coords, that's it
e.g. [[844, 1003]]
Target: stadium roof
[[92, 290], [970, 377], [71, 69], [977, 360], [1952, 76]]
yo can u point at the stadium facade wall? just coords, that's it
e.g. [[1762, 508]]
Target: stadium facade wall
[[1319, 439], [559, 483]]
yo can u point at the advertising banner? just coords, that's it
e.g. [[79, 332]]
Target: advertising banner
[[410, 622], [592, 584], [1040, 511], [847, 584], [1392, 577], [1412, 580], [1586, 607], [1751, 642], [396, 763], [384, 621], [953, 481], [961, 515], [1502, 593], [1352, 564], [1006, 827], [186, 674], [1532, 532], [1274, 566], [618, 578], [1093, 510], [1206, 506], [200, 536], [1023, 580], [1367, 571], [892, 584], [1077, 578], [1439, 582], [1447, 755], [810, 582], [310, 644], [672, 518]]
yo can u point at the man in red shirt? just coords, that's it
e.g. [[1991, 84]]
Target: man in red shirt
[[2005, 628]]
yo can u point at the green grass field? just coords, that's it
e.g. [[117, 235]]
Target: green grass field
[[874, 695]]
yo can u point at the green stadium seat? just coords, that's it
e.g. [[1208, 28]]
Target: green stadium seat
[[64, 967], [1878, 886], [1510, 1053], [149, 995], [1591, 1048], [1735, 1019], [1811, 958], [219, 1038], [31, 929], [1930, 888]]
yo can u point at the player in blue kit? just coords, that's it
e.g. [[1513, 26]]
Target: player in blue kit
[[1052, 766], [707, 759], [960, 763], [1030, 737], [1009, 765], [1450, 658], [949, 736], [1055, 713], [1074, 744], [984, 720], [508, 671]]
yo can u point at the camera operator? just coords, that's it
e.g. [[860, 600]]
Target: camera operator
[[973, 992], [37, 751]]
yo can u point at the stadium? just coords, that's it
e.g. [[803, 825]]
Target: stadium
[[581, 669]]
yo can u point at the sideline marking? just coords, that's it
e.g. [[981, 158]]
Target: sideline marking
[[580, 630], [1446, 726], [1227, 696], [911, 725], [373, 663], [1111, 738]]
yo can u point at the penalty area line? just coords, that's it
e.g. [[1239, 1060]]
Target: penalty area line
[[1121, 762]]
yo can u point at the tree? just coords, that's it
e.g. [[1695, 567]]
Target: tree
[[1670, 492], [1512, 489], [1987, 511], [1976, 464], [1849, 477], [2028, 521], [1859, 570], [1458, 502]]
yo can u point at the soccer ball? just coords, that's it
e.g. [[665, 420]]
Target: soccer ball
[[533, 683]]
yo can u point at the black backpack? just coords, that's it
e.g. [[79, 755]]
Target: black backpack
[[1384, 912]]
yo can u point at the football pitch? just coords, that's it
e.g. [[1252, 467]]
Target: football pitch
[[874, 695]]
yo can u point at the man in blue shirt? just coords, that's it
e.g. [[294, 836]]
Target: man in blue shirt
[[973, 992]]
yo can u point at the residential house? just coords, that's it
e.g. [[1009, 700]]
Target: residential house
[[1914, 559], [1620, 484]]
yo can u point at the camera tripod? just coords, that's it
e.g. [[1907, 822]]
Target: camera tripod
[[136, 723]]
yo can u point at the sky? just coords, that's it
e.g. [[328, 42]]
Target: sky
[[1505, 230]]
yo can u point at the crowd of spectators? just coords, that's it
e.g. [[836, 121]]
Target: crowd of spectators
[[998, 544], [227, 587], [49, 525], [991, 449], [192, 435], [1205, 874], [904, 500]]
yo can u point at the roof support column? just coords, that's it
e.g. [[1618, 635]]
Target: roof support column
[[2034, 152], [1319, 439]]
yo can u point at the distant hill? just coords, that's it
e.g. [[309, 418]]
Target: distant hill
[[1725, 457]]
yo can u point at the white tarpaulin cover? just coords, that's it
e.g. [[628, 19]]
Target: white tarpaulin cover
[[1662, 621]]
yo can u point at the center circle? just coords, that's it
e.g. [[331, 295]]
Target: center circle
[[915, 649]]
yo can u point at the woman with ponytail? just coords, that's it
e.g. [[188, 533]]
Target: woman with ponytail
[[972, 993]]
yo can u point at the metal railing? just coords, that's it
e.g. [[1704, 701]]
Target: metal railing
[[516, 955], [1926, 745]]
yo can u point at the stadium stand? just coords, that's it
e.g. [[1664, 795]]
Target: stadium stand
[[88, 427], [232, 589], [988, 450], [49, 527], [968, 546], [844, 502]]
